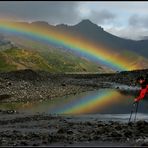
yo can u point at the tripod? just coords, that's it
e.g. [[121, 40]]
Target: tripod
[[134, 106]]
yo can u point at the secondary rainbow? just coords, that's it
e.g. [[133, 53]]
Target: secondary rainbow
[[91, 50]]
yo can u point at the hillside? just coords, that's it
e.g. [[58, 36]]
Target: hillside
[[96, 33], [134, 52], [16, 59]]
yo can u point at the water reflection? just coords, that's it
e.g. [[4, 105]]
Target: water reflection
[[92, 102], [106, 101]]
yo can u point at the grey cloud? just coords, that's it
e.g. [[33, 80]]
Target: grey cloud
[[134, 20], [53, 12], [129, 32], [103, 16], [138, 21]]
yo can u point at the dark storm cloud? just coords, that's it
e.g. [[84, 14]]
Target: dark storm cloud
[[118, 17], [138, 21], [54, 12], [102, 16]]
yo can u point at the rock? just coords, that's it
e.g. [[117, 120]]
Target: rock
[[24, 143], [45, 142], [128, 133], [146, 140], [61, 130], [141, 123], [9, 83], [130, 124], [139, 140], [11, 111], [63, 84], [94, 137], [69, 132], [88, 123], [116, 134], [144, 144], [118, 127], [36, 144], [5, 96]]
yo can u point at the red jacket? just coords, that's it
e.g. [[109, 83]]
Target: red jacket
[[143, 91]]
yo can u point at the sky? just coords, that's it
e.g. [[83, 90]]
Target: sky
[[127, 19]]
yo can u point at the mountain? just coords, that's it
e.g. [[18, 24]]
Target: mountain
[[97, 34], [144, 37], [17, 58], [135, 51]]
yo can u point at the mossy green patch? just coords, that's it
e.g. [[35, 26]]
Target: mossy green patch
[[52, 61]]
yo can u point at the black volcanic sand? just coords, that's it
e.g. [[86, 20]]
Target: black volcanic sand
[[19, 129]]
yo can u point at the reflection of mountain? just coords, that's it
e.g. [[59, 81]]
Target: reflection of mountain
[[63, 59]]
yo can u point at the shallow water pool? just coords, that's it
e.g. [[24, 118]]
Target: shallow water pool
[[102, 101]]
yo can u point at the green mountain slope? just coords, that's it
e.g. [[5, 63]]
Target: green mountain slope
[[14, 59], [52, 61], [134, 52]]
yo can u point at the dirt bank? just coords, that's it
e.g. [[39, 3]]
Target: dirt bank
[[28, 85]]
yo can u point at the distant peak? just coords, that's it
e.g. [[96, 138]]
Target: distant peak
[[40, 23], [88, 23], [62, 25]]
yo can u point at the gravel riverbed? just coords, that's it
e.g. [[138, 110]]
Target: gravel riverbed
[[18, 129]]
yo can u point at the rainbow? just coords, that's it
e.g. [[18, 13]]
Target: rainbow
[[78, 44], [91, 103]]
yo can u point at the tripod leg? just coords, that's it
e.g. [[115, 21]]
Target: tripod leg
[[130, 115], [133, 106], [136, 111]]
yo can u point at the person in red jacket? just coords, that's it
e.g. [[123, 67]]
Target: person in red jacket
[[144, 88]]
